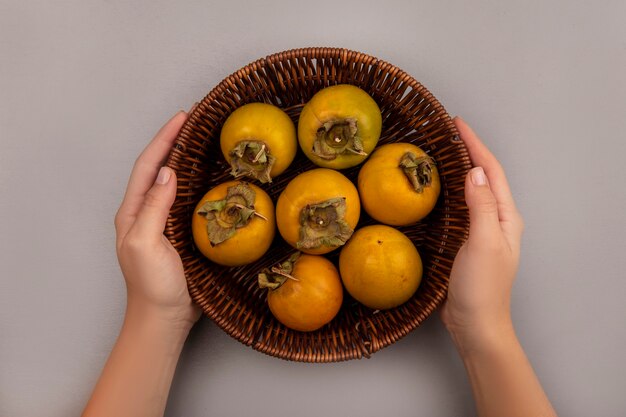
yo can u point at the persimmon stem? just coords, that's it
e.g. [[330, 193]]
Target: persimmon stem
[[256, 213], [356, 152], [258, 155], [277, 271]]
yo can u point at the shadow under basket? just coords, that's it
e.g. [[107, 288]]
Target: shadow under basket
[[230, 296]]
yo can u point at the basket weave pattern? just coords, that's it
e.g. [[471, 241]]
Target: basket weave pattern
[[230, 296]]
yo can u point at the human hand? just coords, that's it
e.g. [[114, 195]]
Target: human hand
[[153, 270], [479, 293]]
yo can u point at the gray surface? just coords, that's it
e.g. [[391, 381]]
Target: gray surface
[[85, 84]]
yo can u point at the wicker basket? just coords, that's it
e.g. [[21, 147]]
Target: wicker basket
[[230, 296]]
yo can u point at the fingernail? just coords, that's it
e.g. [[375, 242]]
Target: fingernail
[[164, 176], [176, 114], [477, 175]]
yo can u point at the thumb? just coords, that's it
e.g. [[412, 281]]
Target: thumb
[[152, 215], [482, 204]]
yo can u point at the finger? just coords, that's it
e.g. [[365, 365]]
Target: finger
[[482, 205], [482, 157], [152, 215], [151, 159], [510, 220], [145, 170]]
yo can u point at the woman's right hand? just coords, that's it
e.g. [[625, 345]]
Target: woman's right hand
[[153, 270], [479, 293]]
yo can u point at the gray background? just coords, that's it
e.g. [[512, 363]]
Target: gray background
[[85, 84]]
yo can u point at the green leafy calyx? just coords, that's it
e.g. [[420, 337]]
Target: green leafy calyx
[[252, 158], [233, 212], [418, 170], [338, 137], [323, 224], [276, 276]]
